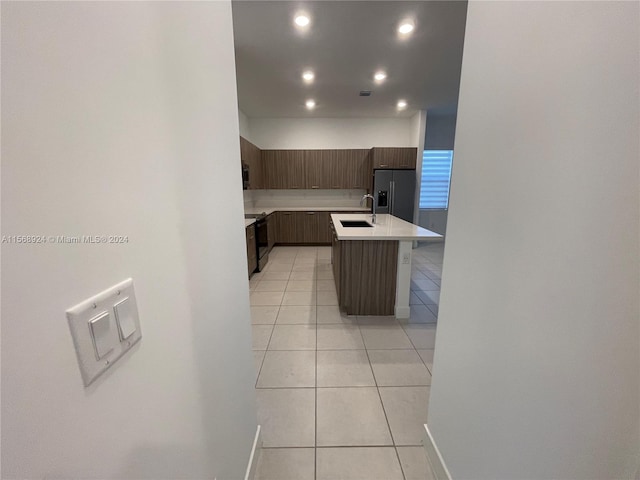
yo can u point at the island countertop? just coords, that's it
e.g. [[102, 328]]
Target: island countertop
[[387, 227]]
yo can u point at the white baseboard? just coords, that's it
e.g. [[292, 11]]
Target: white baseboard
[[403, 312], [433, 454], [255, 452]]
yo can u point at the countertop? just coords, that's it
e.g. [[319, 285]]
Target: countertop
[[387, 227], [249, 221], [269, 210]]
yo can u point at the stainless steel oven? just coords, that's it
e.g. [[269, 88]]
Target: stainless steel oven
[[262, 239]]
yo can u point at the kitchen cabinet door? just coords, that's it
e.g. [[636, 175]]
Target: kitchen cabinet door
[[351, 169], [270, 164], [309, 226], [250, 156], [317, 164], [394, 158], [324, 227], [255, 167], [283, 169], [286, 227]]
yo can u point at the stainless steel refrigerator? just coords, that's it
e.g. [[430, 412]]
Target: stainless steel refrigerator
[[394, 191]]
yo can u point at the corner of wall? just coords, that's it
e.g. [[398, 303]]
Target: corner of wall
[[419, 126]]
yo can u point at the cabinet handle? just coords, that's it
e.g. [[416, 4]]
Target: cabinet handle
[[311, 213], [315, 186], [384, 165]]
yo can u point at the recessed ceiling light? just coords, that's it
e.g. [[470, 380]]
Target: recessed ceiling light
[[302, 20], [308, 76], [406, 27], [311, 104], [380, 76], [402, 104]]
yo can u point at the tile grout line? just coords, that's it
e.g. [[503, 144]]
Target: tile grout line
[[266, 348], [315, 443]]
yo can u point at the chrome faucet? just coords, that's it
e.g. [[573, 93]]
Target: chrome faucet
[[363, 201]]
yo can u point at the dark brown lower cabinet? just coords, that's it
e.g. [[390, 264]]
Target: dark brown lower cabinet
[[365, 275], [308, 223], [324, 227], [286, 228], [252, 254], [300, 228]]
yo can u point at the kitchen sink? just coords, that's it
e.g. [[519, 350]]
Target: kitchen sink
[[355, 223]]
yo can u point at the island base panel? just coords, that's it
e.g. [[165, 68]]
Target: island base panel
[[367, 276]]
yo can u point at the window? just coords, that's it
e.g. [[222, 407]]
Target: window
[[436, 179]]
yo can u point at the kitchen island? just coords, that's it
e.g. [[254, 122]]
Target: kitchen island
[[372, 264]]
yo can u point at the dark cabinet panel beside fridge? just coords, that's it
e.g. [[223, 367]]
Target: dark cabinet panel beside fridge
[[394, 191]]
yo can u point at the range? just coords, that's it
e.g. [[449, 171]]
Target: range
[[262, 238]]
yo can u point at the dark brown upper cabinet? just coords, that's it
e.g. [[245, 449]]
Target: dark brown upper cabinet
[[250, 157], [394, 157], [351, 169], [317, 165], [283, 169], [321, 169]]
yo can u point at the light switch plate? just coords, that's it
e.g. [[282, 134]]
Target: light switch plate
[[104, 327]]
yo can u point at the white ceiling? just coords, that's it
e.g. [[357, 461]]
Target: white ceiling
[[346, 42]]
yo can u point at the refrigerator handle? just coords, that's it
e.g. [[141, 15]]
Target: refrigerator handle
[[393, 194]]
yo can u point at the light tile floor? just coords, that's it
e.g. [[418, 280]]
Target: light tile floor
[[340, 397]]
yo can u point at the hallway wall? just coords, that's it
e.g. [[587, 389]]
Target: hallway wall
[[117, 119], [537, 351]]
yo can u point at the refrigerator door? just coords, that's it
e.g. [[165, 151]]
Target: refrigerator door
[[382, 190], [403, 188]]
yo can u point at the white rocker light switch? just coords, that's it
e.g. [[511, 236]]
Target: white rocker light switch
[[125, 319], [101, 334]]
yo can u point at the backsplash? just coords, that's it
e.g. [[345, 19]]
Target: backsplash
[[306, 198], [248, 198]]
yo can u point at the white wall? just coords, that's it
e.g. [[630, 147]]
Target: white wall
[[117, 119], [243, 121], [418, 126], [434, 220], [536, 365], [440, 133], [300, 133]]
